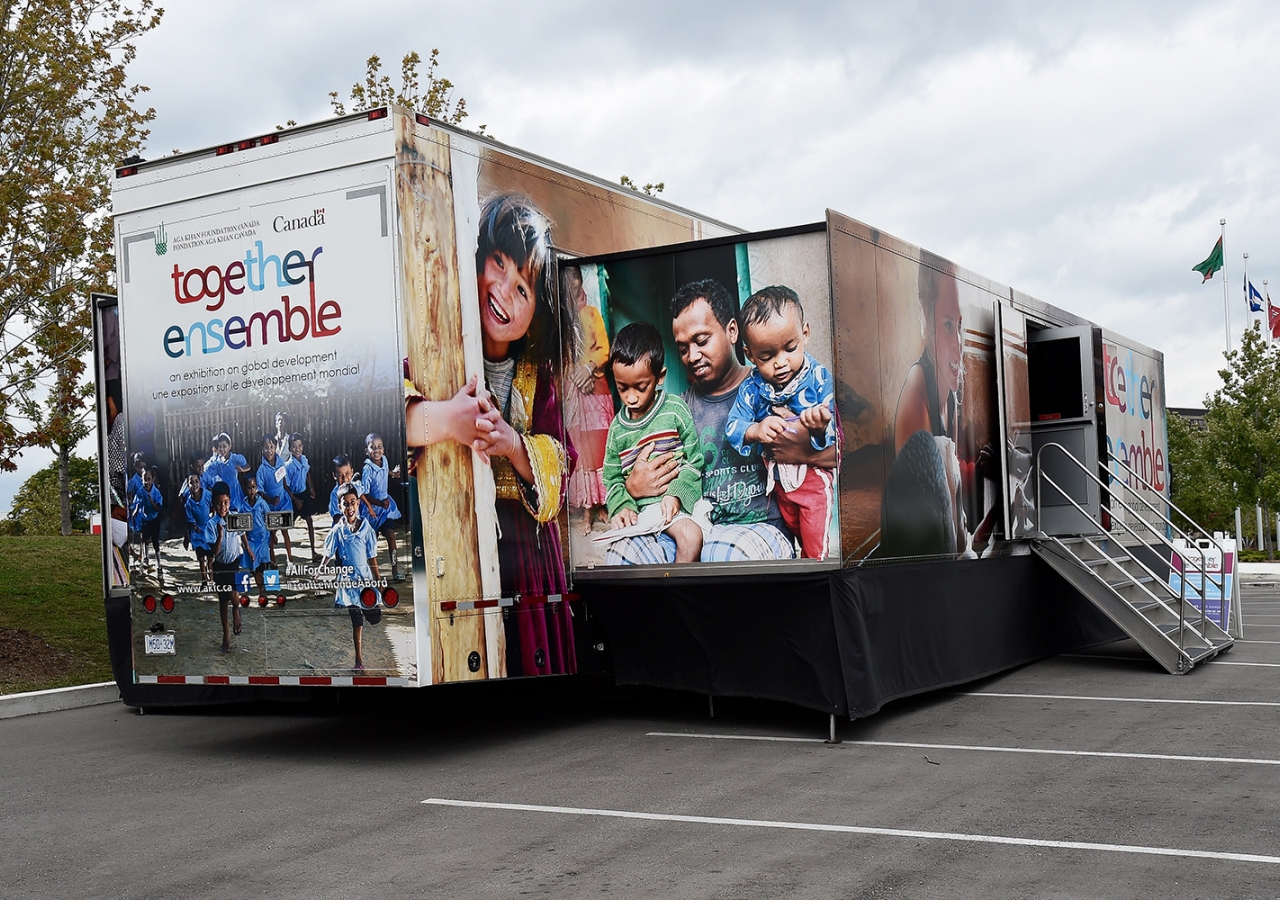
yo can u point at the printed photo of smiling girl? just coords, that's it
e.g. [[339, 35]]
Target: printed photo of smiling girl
[[513, 421]]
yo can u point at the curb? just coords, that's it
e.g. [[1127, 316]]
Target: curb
[[14, 705]]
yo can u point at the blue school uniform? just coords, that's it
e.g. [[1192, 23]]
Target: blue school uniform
[[230, 551], [352, 548], [373, 481], [295, 474], [271, 490], [145, 507], [335, 508], [199, 526], [133, 488], [228, 473], [258, 536]]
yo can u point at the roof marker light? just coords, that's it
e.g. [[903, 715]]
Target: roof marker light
[[422, 120], [379, 113], [270, 139], [126, 171]]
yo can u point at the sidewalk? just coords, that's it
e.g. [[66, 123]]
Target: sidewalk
[[1260, 571], [13, 705]]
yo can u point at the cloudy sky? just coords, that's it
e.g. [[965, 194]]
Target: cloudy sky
[[1083, 153]]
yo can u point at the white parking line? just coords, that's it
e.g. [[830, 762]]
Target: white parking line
[[1257, 642], [1117, 699], [979, 748], [1147, 659], [855, 829], [1236, 662]]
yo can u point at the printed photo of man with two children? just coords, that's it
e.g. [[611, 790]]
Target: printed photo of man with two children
[[702, 407]]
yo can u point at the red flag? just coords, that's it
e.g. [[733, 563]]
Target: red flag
[[1273, 317]]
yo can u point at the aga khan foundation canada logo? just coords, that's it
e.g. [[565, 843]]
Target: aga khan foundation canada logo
[[162, 241]]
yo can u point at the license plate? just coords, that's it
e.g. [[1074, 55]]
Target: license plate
[[157, 644]]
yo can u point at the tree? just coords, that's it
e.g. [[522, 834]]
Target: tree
[[1234, 461], [437, 102], [651, 188], [67, 117], [36, 506], [1196, 483]]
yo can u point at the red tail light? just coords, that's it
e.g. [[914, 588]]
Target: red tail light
[[166, 603], [149, 603], [262, 601], [244, 599], [368, 598], [390, 598]]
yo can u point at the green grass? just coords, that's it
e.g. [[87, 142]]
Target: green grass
[[52, 586]]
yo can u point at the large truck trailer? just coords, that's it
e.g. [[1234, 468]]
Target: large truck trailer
[[333, 458]]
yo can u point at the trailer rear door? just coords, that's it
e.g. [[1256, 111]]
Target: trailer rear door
[[1063, 399]]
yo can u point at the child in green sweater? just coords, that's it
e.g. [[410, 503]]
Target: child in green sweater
[[651, 421]]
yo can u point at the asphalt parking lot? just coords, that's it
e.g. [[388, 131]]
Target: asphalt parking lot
[[1095, 775]]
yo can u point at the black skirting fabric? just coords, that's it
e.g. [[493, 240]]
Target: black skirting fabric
[[847, 642], [766, 638]]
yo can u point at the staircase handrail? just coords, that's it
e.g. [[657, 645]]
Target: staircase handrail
[[1149, 486], [1182, 626], [1180, 595], [1205, 578]]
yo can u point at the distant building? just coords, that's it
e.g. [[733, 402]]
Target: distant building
[[1192, 416]]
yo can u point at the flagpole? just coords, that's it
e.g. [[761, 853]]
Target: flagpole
[[1267, 291], [1248, 301], [1226, 306]]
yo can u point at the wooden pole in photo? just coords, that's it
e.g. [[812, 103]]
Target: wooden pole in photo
[[434, 347]]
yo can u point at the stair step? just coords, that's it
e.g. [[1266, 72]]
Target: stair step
[[1103, 560], [1146, 605], [1201, 654], [1137, 600], [1137, 579]]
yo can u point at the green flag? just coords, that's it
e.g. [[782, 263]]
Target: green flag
[[1212, 264]]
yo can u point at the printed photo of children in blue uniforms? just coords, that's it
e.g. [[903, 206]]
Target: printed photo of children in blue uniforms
[[196, 504], [343, 474], [352, 545], [260, 558], [380, 509], [302, 491], [229, 548], [225, 467], [145, 502], [272, 473]]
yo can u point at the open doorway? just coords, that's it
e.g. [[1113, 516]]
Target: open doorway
[[1063, 370]]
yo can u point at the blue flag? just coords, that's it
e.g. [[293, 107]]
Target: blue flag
[[1252, 295]]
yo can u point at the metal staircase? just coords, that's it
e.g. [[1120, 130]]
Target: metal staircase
[[1162, 619]]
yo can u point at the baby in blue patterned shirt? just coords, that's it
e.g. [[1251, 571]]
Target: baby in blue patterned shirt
[[787, 389]]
